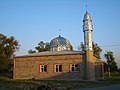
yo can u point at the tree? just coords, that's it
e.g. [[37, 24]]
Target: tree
[[8, 45], [110, 64], [71, 47], [41, 47], [31, 51], [96, 49], [82, 46]]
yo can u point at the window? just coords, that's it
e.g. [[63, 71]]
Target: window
[[59, 49], [74, 68], [43, 68], [58, 68]]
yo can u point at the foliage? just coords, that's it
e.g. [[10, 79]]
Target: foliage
[[31, 51], [110, 64], [113, 74], [8, 45], [82, 46], [96, 49], [41, 47], [71, 47]]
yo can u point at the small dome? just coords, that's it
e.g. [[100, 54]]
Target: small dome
[[60, 44], [87, 16]]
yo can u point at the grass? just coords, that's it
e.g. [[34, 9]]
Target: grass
[[10, 84]]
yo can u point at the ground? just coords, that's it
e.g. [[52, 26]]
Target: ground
[[10, 84]]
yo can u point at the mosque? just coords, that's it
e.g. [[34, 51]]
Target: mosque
[[61, 62]]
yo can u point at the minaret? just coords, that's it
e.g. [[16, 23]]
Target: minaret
[[87, 29], [88, 63]]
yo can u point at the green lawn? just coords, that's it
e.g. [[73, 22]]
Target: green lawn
[[10, 84]]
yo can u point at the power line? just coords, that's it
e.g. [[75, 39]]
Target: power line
[[117, 45], [110, 45]]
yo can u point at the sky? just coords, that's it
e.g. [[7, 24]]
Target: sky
[[32, 21]]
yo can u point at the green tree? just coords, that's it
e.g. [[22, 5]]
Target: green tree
[[110, 64], [8, 45], [41, 47], [96, 49], [31, 51], [81, 46], [71, 47]]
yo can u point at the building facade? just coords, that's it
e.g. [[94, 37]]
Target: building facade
[[62, 63]]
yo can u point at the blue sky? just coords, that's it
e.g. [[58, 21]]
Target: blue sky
[[31, 21]]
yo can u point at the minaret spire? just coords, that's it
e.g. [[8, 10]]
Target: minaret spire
[[88, 63], [87, 29]]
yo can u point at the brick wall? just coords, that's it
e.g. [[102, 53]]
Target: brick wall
[[28, 67]]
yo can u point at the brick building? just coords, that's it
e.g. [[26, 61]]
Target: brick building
[[53, 65], [62, 63]]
